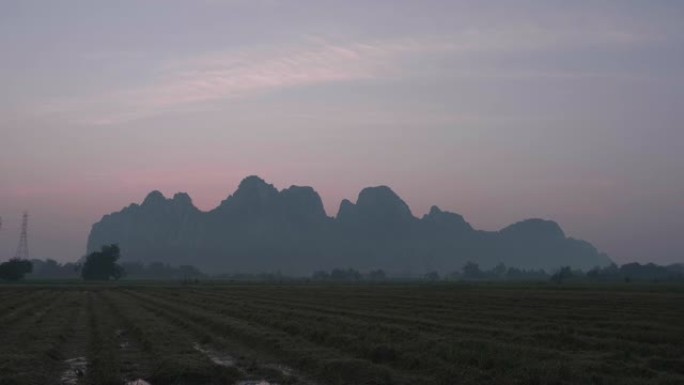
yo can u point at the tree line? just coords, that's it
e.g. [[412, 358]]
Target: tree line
[[103, 265], [471, 271]]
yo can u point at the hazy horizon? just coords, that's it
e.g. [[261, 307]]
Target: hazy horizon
[[499, 111]]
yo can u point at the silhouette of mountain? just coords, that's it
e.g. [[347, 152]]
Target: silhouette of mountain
[[261, 229]]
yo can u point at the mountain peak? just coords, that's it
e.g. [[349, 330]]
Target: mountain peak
[[382, 201], [251, 181], [154, 197], [451, 221], [302, 201], [377, 209], [182, 199], [254, 185], [346, 210], [535, 228]]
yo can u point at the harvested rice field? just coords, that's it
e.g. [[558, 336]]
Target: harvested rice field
[[163, 334]]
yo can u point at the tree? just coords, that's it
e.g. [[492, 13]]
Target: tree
[[377, 275], [189, 271], [15, 269], [101, 265], [563, 274], [471, 270], [499, 271], [432, 276], [321, 275], [345, 275]]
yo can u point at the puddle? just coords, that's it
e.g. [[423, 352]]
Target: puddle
[[138, 382], [121, 335], [219, 358], [284, 370], [229, 361], [76, 370]]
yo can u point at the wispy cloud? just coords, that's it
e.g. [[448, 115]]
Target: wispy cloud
[[195, 83], [191, 83]]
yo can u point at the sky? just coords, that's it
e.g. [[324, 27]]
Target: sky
[[497, 110]]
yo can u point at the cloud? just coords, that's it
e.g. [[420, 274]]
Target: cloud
[[190, 84], [197, 83]]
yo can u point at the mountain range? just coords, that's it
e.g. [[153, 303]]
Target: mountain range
[[261, 229]]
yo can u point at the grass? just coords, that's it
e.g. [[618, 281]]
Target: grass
[[344, 334]]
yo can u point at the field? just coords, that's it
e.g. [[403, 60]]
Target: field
[[341, 334]]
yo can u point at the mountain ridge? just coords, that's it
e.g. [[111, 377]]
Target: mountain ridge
[[262, 229]]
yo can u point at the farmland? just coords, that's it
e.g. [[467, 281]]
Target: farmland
[[341, 334]]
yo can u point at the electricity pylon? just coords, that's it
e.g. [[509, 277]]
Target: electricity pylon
[[23, 249]]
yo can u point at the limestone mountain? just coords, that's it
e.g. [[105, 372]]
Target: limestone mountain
[[262, 229]]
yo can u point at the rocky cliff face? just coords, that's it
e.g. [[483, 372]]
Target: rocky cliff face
[[261, 229]]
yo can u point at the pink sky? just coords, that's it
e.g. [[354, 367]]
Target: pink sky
[[500, 112]]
